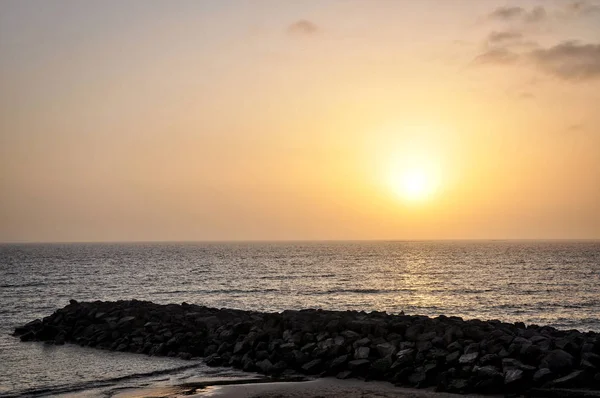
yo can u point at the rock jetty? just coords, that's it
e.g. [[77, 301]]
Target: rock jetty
[[447, 353]]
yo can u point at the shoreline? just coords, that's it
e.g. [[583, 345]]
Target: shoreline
[[320, 387], [447, 354]]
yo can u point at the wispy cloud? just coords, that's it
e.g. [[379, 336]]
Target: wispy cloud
[[569, 60], [536, 14], [507, 13], [501, 56], [526, 95], [582, 7], [303, 27], [503, 37]]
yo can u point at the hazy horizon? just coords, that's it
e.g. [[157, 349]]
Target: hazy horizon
[[188, 121]]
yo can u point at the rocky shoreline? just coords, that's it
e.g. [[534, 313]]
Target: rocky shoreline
[[448, 353]]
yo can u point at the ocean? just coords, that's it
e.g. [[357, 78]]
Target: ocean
[[553, 283]]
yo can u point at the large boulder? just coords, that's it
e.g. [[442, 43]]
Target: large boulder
[[558, 361]]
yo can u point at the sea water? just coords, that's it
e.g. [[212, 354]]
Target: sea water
[[553, 283]]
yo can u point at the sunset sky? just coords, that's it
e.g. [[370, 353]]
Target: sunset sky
[[276, 120]]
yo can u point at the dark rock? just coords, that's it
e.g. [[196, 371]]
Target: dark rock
[[362, 353], [312, 367], [570, 380], [382, 365], [386, 349], [458, 386], [468, 359], [452, 357], [362, 342], [345, 374], [490, 359], [213, 360], [592, 358], [350, 335], [338, 362], [417, 378], [265, 366], [358, 364], [558, 361], [542, 376], [513, 376]]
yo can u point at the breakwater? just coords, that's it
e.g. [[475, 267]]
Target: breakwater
[[448, 353]]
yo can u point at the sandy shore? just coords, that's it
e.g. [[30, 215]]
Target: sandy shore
[[319, 388]]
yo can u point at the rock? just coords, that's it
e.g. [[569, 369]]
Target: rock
[[426, 336], [570, 380], [592, 358], [558, 361], [385, 349], [211, 349], [487, 372], [531, 354], [344, 374], [362, 342], [513, 376], [382, 365], [312, 367], [455, 346], [213, 360], [28, 336], [542, 376], [468, 359], [471, 348], [350, 335], [490, 359], [265, 366], [452, 357], [489, 379], [358, 364], [458, 386], [413, 332], [417, 378], [362, 353], [338, 362]]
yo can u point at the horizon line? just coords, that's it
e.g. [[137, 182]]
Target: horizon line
[[303, 241]]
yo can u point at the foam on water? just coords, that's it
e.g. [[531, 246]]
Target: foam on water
[[555, 283]]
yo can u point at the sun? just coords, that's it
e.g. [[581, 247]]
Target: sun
[[414, 184]]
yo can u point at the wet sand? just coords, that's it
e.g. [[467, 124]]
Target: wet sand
[[262, 388]]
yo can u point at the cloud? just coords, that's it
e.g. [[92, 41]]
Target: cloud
[[507, 13], [575, 127], [526, 95], [501, 37], [536, 14], [500, 56], [582, 7], [303, 27], [569, 60]]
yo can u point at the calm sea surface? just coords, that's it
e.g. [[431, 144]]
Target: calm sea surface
[[554, 283]]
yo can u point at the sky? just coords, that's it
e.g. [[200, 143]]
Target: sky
[[299, 120]]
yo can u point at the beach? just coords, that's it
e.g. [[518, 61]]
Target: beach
[[319, 388]]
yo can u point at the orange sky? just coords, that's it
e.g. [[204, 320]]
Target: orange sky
[[234, 120]]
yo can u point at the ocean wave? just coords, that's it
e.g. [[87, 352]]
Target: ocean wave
[[218, 291], [29, 284], [69, 388], [360, 291]]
